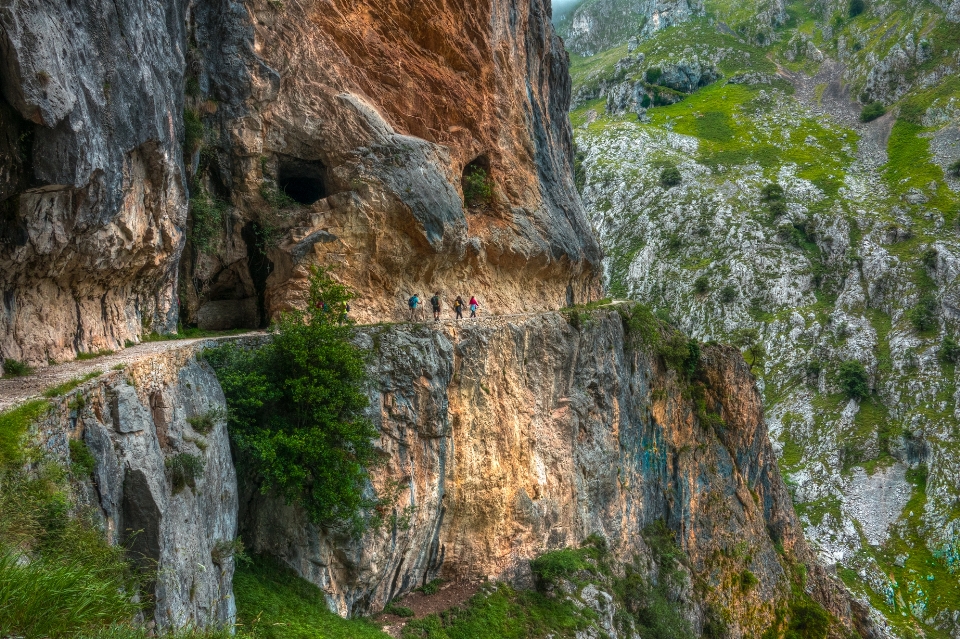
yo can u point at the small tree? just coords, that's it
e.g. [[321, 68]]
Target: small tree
[[477, 189], [949, 351], [872, 111], [856, 8], [296, 408], [701, 285], [670, 176], [923, 316], [853, 379]]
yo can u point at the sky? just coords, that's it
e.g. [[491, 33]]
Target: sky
[[560, 6]]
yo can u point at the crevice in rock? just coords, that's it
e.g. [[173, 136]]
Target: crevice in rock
[[140, 530], [260, 267]]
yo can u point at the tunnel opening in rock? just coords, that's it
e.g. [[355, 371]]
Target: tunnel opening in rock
[[260, 266], [302, 180], [476, 182]]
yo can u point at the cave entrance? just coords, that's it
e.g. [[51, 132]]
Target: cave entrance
[[260, 266], [476, 183], [302, 180]]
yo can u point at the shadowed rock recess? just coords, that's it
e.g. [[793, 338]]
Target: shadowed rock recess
[[188, 162]]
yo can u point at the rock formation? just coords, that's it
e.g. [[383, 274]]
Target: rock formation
[[508, 440], [322, 132], [164, 484]]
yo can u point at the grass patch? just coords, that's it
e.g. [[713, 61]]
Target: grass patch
[[13, 427], [66, 387], [93, 355], [274, 603], [15, 368]]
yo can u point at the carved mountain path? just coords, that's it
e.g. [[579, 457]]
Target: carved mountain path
[[17, 390]]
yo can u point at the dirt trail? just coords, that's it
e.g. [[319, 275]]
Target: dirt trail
[[17, 390]]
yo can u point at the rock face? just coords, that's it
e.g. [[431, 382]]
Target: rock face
[[511, 439], [163, 486], [368, 114], [92, 196], [597, 26], [316, 132]]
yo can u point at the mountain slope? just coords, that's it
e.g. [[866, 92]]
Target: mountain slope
[[826, 246]]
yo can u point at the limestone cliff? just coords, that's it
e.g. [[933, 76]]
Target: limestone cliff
[[325, 131], [512, 438]]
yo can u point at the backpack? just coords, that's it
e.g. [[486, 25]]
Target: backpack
[[413, 302], [457, 304], [435, 301]]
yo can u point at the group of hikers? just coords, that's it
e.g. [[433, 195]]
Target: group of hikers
[[458, 305]]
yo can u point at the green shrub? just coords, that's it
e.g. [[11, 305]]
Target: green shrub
[[653, 74], [192, 132], [66, 387], [929, 258], [808, 620], [728, 294], [949, 351], [872, 111], [206, 422], [777, 208], [81, 460], [701, 285], [206, 218], [923, 316], [681, 354], [296, 408], [645, 101], [771, 192], [13, 427], [564, 563], [14, 368], [954, 169], [477, 187], [398, 610], [748, 580], [641, 325], [670, 176], [853, 379], [185, 469], [431, 588], [855, 8]]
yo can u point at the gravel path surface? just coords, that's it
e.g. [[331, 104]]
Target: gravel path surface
[[17, 390]]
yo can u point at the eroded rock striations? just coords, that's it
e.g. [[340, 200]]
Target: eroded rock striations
[[367, 115], [512, 439], [92, 195], [164, 483], [327, 132]]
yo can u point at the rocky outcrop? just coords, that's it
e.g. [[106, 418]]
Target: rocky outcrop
[[368, 115], [507, 439], [306, 133], [92, 196], [164, 484], [597, 26]]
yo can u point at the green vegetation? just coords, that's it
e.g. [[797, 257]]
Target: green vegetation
[[477, 186], [855, 8], [185, 469], [81, 357], [206, 218], [296, 408], [274, 603], [431, 588], [66, 387], [206, 422], [670, 176], [853, 379], [923, 316], [872, 111], [954, 169], [81, 461], [192, 132], [14, 368], [13, 428]]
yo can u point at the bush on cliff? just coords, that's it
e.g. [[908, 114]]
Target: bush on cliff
[[853, 380], [872, 111], [296, 408]]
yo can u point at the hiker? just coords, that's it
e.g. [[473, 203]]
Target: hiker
[[474, 305], [458, 307], [435, 303], [413, 302]]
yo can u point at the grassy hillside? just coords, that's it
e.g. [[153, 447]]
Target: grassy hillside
[[763, 210]]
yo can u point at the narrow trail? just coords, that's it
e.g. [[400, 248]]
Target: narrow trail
[[17, 390]]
